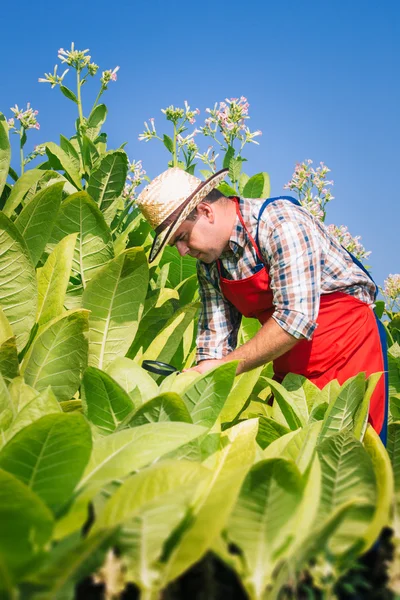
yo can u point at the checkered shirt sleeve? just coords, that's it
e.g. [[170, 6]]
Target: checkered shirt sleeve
[[219, 320]]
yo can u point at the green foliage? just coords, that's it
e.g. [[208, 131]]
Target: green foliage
[[58, 355], [172, 468], [114, 311], [18, 289], [36, 220], [5, 152], [105, 403], [107, 181]]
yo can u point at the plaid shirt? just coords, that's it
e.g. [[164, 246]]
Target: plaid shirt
[[304, 261]]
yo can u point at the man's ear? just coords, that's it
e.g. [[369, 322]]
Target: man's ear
[[204, 209]]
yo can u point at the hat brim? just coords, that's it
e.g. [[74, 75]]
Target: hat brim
[[190, 203]]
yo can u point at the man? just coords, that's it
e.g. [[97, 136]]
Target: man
[[271, 260]]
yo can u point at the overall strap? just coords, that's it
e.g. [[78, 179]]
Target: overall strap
[[254, 244], [297, 203], [269, 201], [361, 266]]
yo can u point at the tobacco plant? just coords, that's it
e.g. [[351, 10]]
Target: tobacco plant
[[104, 466]]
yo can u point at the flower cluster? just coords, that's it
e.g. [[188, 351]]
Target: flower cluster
[[108, 76], [174, 114], [352, 244], [27, 117], [148, 134], [53, 78], [392, 287], [304, 180], [78, 59], [391, 292], [135, 177], [229, 119], [209, 158], [188, 141]]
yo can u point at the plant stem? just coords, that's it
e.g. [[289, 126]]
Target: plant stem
[[174, 148], [78, 90], [97, 98], [21, 149], [80, 119]]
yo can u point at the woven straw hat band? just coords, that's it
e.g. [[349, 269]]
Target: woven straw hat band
[[165, 195]]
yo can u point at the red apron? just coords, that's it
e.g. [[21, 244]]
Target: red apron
[[345, 343]]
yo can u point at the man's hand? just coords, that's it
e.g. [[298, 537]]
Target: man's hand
[[206, 365]]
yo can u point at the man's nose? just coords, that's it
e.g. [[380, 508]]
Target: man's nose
[[181, 247]]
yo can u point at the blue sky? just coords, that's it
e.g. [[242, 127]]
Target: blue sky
[[322, 79]]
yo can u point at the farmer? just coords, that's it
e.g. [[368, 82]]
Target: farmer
[[271, 260]]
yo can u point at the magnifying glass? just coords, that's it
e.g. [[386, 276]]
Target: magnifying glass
[[158, 367]]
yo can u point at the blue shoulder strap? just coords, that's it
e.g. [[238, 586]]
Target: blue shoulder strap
[[297, 203]]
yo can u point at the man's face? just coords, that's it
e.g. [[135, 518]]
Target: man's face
[[204, 238]]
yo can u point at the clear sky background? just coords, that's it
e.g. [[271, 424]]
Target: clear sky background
[[322, 79]]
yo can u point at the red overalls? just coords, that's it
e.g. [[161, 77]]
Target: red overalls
[[346, 342]]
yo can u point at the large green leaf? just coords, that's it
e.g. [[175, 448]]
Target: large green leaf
[[41, 405], [9, 366], [70, 150], [26, 526], [207, 395], [89, 153], [95, 121], [5, 152], [179, 382], [342, 412], [7, 408], [21, 187], [94, 248], [303, 394], [166, 343], [276, 448], [385, 486], [60, 160], [261, 524], [241, 390], [215, 500], [269, 431], [147, 508], [21, 393], [53, 280], [181, 267], [347, 473], [301, 447], [361, 416], [149, 487], [37, 219], [107, 181], [393, 448], [115, 296], [105, 402], [137, 382], [58, 355], [116, 456], [18, 290], [165, 407], [257, 186], [49, 456], [283, 399], [158, 309]]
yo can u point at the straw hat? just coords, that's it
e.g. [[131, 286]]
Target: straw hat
[[168, 200]]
